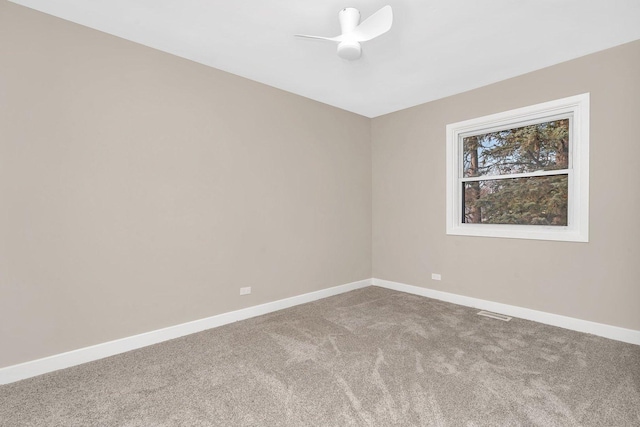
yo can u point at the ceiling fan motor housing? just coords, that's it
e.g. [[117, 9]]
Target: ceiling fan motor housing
[[349, 18]]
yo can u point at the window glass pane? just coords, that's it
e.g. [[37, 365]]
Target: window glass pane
[[543, 146], [539, 200]]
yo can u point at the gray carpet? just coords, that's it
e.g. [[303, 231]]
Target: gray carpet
[[371, 357]]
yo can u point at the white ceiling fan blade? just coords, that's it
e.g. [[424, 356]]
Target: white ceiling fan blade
[[375, 25], [331, 39]]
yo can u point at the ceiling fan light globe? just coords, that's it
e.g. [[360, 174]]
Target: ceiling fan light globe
[[349, 50]]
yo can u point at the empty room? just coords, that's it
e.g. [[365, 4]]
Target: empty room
[[286, 213]]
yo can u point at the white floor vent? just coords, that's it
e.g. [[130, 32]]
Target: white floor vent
[[494, 315]]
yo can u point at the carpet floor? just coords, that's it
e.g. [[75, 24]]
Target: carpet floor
[[371, 357]]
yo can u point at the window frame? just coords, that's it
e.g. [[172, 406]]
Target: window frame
[[576, 108]]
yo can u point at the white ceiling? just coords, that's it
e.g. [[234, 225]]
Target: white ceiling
[[435, 48]]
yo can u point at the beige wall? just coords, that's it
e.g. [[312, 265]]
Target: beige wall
[[139, 190], [598, 281]]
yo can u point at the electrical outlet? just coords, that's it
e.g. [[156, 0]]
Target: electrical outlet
[[436, 276], [245, 291]]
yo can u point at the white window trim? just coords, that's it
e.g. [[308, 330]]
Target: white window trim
[[577, 229]]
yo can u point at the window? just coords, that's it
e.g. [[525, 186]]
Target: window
[[522, 173]]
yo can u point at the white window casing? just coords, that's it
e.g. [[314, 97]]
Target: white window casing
[[576, 109]]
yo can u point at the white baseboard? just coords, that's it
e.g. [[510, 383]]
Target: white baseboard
[[21, 371], [612, 332], [33, 368]]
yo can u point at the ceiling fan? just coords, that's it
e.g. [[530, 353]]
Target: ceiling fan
[[353, 34]]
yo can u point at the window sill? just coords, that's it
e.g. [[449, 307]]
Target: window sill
[[532, 232]]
